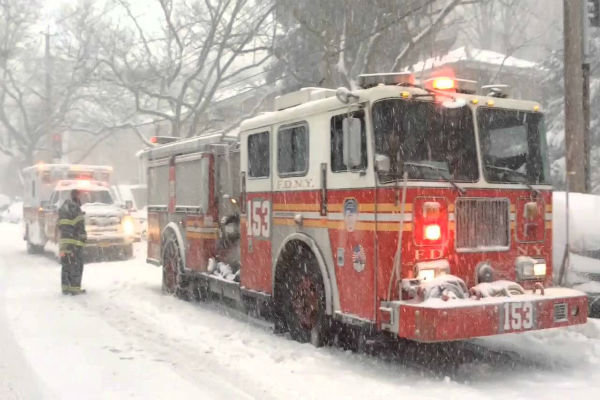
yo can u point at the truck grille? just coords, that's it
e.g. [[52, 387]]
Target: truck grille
[[560, 312], [482, 224]]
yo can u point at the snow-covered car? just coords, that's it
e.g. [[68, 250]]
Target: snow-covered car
[[134, 199], [14, 213], [584, 262]]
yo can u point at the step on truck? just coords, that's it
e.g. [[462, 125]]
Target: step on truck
[[110, 230], [416, 210]]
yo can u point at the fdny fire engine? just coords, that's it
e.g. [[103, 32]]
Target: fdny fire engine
[[419, 211]]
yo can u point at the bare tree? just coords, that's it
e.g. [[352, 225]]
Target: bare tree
[[175, 73], [330, 43], [30, 112], [16, 22]]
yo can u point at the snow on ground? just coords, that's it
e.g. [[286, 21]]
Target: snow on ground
[[124, 339]]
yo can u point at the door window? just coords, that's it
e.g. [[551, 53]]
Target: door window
[[258, 155], [292, 150]]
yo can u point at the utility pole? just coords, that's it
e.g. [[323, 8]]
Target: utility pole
[[574, 110], [585, 67], [55, 138], [576, 144]]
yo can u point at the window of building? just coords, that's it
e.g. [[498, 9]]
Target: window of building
[[292, 150], [258, 155], [338, 146]]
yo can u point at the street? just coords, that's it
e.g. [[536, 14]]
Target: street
[[125, 339]]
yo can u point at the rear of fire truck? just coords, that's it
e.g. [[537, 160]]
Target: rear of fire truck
[[473, 258]]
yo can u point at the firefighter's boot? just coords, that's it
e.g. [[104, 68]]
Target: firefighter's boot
[[74, 290]]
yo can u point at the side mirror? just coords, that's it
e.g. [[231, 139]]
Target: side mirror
[[128, 205], [382, 163], [352, 135]]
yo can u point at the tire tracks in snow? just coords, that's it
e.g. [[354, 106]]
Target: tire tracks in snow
[[190, 361]]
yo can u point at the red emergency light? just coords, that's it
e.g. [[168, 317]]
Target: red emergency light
[[449, 84], [431, 221], [443, 83]]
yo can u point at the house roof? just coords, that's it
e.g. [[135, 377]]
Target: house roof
[[480, 56]]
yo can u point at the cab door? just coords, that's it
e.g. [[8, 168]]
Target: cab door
[[351, 212], [256, 222]]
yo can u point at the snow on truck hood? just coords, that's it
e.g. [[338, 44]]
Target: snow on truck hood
[[101, 210]]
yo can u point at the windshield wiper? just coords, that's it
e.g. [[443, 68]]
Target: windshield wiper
[[439, 172], [518, 173]]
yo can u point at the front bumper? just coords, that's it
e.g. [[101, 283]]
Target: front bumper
[[435, 320], [108, 240]]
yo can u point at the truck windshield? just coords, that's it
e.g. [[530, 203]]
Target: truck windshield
[[513, 146], [88, 196], [427, 140]]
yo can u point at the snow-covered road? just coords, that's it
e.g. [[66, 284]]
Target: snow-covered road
[[124, 339]]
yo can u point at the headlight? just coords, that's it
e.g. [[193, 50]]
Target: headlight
[[539, 269], [426, 274], [428, 270], [128, 226], [529, 268]]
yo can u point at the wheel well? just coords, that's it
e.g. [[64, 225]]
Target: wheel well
[[173, 229], [299, 248]]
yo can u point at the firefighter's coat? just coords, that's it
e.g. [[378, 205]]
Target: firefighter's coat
[[71, 225]]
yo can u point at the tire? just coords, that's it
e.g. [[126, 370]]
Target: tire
[[127, 252], [173, 280], [302, 297], [34, 248]]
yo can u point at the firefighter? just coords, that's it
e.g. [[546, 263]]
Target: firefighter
[[71, 225]]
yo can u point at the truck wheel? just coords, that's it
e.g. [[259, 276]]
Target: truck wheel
[[171, 263], [34, 248], [173, 281], [127, 252], [304, 305]]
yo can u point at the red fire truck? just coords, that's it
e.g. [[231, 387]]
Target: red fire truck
[[421, 211]]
